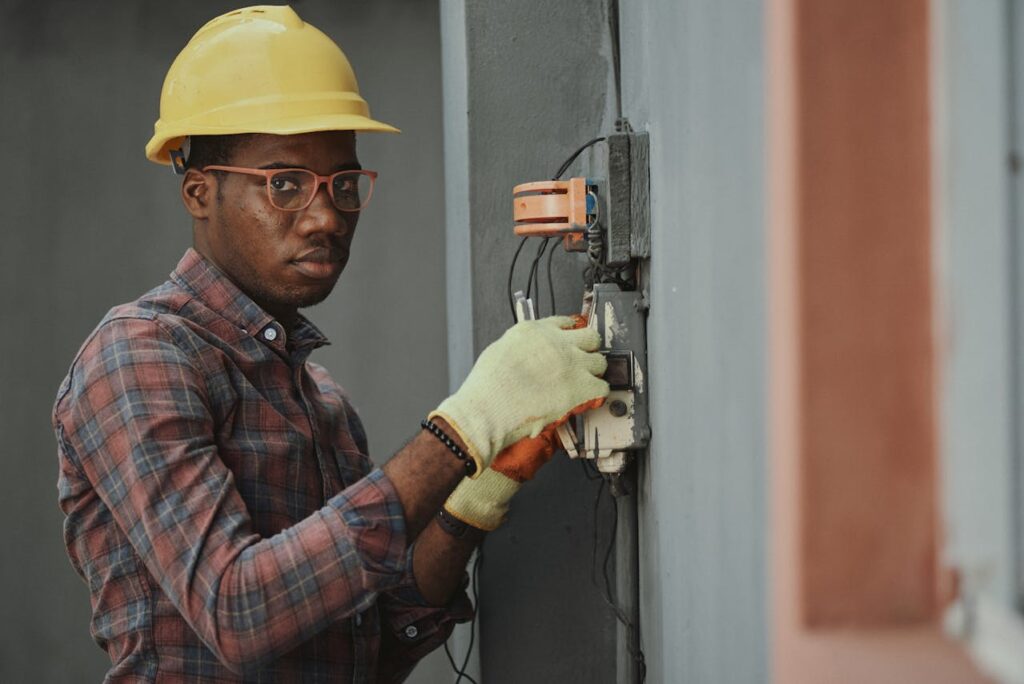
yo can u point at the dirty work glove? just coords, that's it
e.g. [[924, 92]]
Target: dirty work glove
[[528, 378], [483, 502]]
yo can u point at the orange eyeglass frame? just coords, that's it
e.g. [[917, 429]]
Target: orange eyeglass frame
[[320, 180]]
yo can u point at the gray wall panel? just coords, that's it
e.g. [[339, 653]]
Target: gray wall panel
[[693, 76], [537, 75]]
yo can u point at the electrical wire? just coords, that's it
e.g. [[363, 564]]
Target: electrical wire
[[536, 274], [511, 271], [613, 30], [474, 583], [568, 162], [532, 277], [551, 282], [633, 646], [455, 667]]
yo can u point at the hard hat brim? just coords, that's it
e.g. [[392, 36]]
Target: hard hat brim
[[168, 138]]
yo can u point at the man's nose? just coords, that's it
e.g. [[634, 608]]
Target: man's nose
[[321, 216]]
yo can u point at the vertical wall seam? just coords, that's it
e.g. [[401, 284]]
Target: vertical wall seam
[[458, 264], [458, 253]]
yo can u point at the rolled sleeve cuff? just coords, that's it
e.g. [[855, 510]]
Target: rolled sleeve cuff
[[406, 608], [372, 515]]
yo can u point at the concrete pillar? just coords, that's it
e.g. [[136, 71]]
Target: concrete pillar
[[525, 85]]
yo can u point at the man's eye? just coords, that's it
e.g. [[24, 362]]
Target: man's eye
[[283, 183], [345, 184]]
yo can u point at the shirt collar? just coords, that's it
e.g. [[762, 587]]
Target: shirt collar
[[214, 289]]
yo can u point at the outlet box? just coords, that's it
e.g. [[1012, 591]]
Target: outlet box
[[621, 424]]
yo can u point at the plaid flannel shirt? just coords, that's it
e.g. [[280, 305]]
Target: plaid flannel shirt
[[220, 504]]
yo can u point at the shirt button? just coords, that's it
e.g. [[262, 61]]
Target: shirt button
[[270, 334], [411, 632]]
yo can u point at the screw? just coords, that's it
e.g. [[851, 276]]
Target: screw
[[617, 408]]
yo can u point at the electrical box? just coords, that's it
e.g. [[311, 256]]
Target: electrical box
[[606, 215], [620, 170], [607, 434]]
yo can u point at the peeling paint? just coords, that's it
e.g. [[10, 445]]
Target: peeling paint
[[612, 325]]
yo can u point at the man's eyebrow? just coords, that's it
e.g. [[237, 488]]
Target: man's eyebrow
[[344, 166]]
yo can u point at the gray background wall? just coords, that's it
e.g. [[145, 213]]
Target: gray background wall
[[975, 263], [87, 223], [693, 75]]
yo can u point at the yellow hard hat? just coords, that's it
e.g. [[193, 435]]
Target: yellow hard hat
[[258, 70]]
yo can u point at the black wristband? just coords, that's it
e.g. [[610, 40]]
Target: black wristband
[[433, 429]]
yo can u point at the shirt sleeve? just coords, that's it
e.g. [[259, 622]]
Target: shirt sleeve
[[412, 627], [136, 420]]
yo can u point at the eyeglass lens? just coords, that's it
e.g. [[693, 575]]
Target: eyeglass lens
[[293, 189]]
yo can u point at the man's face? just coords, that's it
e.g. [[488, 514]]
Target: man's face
[[284, 260]]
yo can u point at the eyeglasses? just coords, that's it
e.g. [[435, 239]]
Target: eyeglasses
[[294, 189]]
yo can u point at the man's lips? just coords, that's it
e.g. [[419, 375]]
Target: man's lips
[[320, 262]]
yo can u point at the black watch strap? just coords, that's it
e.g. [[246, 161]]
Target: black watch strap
[[455, 527]]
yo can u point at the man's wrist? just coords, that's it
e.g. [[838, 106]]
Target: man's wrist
[[448, 447], [451, 432], [458, 528], [449, 436]]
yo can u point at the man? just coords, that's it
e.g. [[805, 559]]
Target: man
[[220, 503]]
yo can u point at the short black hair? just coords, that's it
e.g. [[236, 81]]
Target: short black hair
[[206, 150]]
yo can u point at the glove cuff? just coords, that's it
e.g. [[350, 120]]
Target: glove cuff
[[482, 502]]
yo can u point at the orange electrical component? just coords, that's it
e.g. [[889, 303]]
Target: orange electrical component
[[552, 209]]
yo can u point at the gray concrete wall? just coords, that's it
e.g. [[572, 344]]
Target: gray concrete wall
[[88, 223], [693, 76]]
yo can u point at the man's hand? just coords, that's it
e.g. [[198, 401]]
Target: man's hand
[[483, 502], [536, 372]]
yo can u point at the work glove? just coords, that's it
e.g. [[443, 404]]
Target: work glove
[[527, 379], [483, 502]]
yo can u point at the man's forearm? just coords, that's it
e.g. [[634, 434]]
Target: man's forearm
[[424, 473], [439, 561]]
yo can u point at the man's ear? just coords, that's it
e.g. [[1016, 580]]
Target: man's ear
[[197, 192]]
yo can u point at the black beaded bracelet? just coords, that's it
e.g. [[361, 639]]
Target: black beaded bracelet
[[433, 429]]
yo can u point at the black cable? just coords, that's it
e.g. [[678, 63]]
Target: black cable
[[534, 276], [451, 661], [607, 593], [568, 162], [511, 271], [613, 29], [593, 549], [536, 273], [551, 283], [474, 584], [533, 266]]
